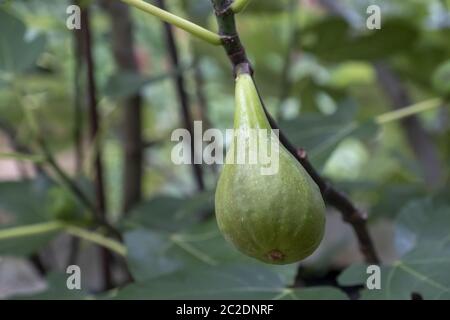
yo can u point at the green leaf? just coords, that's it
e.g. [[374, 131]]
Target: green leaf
[[153, 253], [17, 53], [24, 246], [148, 256], [167, 213], [225, 282], [317, 37], [353, 276], [422, 221], [332, 40], [319, 135], [421, 231], [201, 203], [424, 271], [159, 213], [20, 212], [266, 7], [125, 84]]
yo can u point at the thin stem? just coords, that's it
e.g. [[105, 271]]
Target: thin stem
[[122, 42], [202, 98], [77, 103], [285, 83], [32, 230], [22, 156], [48, 227], [409, 111], [94, 126], [183, 98], [239, 5], [94, 114], [63, 177], [98, 239], [181, 23]]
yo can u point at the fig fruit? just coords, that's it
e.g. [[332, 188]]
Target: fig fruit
[[276, 218]]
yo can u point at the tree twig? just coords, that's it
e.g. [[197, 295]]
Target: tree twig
[[77, 104], [182, 96], [201, 98], [181, 23], [94, 122], [285, 83], [123, 46], [351, 214]]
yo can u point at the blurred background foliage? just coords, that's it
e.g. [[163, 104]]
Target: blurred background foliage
[[325, 77]]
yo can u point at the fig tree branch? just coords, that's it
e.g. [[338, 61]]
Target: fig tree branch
[[351, 214]]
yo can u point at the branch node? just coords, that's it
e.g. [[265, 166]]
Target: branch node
[[243, 68], [224, 8], [302, 154], [355, 217]]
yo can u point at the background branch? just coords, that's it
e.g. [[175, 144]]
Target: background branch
[[94, 126], [123, 50], [285, 83], [182, 96], [77, 103], [202, 100]]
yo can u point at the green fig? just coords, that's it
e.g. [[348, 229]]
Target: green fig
[[276, 218]]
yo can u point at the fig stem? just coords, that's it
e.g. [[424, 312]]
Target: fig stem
[[177, 21], [239, 5], [225, 17]]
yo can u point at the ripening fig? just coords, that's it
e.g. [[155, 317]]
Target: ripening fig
[[277, 218]]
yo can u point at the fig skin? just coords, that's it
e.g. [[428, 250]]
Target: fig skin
[[277, 219]]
